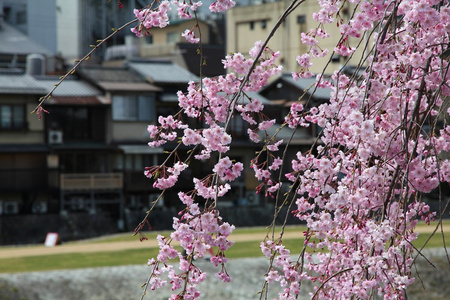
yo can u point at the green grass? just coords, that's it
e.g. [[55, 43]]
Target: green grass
[[116, 258], [435, 241], [76, 260], [140, 256], [246, 230], [152, 235]]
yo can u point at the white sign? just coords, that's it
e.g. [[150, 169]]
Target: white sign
[[51, 239]]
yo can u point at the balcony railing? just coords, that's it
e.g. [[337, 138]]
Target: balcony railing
[[91, 181], [135, 181]]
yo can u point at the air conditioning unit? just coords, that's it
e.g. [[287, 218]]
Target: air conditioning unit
[[251, 198], [10, 208], [39, 207], [55, 137]]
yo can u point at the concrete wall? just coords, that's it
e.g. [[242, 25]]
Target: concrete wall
[[68, 18], [130, 131], [160, 46]]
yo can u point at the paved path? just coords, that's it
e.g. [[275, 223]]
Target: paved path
[[85, 247]]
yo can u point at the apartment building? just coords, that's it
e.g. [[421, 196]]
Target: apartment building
[[253, 20]]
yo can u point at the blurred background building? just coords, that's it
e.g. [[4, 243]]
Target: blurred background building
[[79, 169]]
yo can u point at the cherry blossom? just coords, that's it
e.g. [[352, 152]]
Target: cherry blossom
[[190, 36], [358, 189], [383, 143]]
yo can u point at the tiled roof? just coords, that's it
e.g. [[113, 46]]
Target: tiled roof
[[20, 84], [252, 95], [107, 74], [117, 79], [68, 87], [162, 72], [15, 42], [172, 97], [128, 86], [76, 100], [308, 83], [299, 137], [258, 96]]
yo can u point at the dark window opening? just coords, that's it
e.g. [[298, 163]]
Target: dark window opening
[[335, 58], [263, 24], [301, 19], [133, 108], [12, 117]]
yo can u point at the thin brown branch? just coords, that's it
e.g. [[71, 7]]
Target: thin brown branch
[[78, 63]]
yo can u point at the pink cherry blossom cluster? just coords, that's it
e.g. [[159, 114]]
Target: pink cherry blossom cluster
[[376, 156], [184, 8], [166, 131], [165, 177], [197, 232], [222, 5], [264, 165], [359, 189], [189, 35], [304, 60], [383, 143], [228, 171], [158, 17], [283, 270], [151, 18], [212, 99], [214, 102], [294, 119]]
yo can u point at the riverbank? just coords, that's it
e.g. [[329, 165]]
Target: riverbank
[[124, 282]]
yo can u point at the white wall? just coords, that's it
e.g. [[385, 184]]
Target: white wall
[[69, 28]]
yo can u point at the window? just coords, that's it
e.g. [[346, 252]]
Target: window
[[301, 19], [148, 39], [335, 58], [12, 117], [135, 162], [252, 25], [238, 127], [133, 108], [264, 24], [172, 37], [21, 17]]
